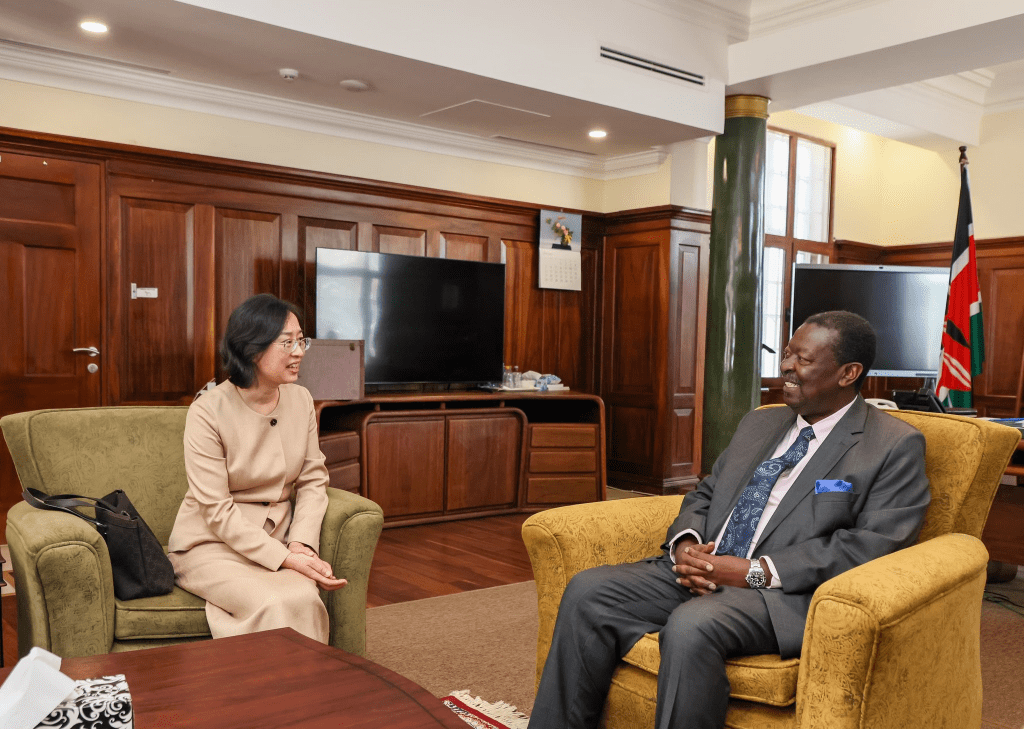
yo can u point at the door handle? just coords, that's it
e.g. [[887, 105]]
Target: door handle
[[91, 351]]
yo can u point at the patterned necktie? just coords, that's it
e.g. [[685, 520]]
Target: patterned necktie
[[743, 521]]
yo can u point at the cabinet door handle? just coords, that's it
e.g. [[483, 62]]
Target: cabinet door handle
[[91, 351]]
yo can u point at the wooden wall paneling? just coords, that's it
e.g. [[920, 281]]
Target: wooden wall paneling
[[524, 305], [248, 258], [269, 205], [206, 337], [157, 348], [851, 252], [318, 233], [291, 282], [688, 325], [654, 306], [1001, 281], [407, 242], [465, 247]]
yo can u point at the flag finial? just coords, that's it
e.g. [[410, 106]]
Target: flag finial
[[963, 156]]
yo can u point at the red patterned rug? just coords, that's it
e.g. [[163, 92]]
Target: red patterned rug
[[481, 714]]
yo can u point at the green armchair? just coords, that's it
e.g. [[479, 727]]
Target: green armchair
[[63, 581]]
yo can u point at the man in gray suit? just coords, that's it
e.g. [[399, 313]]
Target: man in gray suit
[[800, 495]]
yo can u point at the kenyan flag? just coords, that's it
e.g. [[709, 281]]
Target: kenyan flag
[[963, 341]]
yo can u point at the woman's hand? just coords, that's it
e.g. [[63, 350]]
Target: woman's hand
[[306, 562]]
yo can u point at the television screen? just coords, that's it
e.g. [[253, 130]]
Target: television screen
[[422, 320], [906, 305]]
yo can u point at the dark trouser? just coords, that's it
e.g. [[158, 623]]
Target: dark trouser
[[606, 610]]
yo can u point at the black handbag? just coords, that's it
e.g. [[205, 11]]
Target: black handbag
[[139, 564]]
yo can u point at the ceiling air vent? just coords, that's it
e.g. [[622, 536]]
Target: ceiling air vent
[[648, 65]]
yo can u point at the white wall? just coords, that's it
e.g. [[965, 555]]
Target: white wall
[[44, 109]]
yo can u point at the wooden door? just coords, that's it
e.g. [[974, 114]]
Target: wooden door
[[50, 292]]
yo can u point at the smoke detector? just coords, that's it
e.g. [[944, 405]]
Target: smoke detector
[[288, 74]]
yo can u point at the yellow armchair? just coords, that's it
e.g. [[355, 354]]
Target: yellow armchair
[[885, 643]]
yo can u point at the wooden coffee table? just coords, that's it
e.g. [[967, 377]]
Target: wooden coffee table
[[273, 679]]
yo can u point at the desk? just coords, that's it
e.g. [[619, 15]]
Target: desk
[[1004, 530], [264, 680]]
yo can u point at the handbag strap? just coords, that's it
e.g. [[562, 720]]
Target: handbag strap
[[68, 503]]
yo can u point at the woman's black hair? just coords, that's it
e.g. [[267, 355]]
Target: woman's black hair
[[252, 327]]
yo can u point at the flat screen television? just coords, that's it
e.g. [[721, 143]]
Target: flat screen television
[[422, 320], [906, 305]]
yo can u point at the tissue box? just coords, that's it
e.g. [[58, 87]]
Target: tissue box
[[96, 703]]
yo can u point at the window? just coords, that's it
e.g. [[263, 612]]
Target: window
[[798, 228]]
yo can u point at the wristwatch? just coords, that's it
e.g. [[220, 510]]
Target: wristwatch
[[755, 576]]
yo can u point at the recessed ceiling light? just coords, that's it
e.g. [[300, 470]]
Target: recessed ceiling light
[[354, 84], [598, 133], [93, 26], [288, 74]]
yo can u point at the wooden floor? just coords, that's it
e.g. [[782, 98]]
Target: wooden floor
[[413, 563]]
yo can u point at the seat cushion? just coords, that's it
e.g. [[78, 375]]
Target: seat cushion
[[177, 615], [762, 679]]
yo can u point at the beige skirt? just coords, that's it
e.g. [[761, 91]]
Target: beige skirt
[[244, 597]]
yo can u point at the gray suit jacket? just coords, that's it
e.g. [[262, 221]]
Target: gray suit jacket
[[814, 537]]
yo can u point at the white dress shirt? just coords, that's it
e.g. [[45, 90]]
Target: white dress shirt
[[786, 479]]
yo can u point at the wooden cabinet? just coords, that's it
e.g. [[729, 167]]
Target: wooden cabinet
[[405, 464], [654, 312], [435, 456], [341, 456], [484, 456], [562, 463]]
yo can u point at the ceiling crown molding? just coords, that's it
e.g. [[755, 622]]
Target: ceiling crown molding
[[770, 16], [717, 15], [91, 76]]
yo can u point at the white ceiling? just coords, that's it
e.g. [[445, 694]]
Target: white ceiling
[[181, 54]]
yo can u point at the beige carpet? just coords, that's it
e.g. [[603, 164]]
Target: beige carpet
[[485, 641]]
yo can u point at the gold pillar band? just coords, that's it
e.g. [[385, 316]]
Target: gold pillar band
[[746, 105]]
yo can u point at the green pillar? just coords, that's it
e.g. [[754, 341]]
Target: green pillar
[[732, 359]]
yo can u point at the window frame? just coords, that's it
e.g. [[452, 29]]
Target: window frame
[[792, 245]]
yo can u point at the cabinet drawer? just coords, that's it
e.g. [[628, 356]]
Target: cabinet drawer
[[338, 447], [345, 477], [561, 489], [562, 461], [563, 436]]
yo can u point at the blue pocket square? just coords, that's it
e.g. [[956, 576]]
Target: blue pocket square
[[826, 487]]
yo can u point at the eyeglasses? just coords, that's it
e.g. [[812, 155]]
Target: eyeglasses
[[291, 345]]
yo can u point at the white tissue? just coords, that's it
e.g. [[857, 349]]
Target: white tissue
[[34, 689]]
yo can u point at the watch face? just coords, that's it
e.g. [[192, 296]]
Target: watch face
[[755, 577]]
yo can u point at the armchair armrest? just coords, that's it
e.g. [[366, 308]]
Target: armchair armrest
[[569, 539], [348, 538], [880, 639], [65, 588]]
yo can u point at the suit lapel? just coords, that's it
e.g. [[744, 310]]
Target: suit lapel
[[759, 451], [844, 435]]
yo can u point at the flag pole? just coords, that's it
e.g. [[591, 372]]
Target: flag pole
[[963, 165]]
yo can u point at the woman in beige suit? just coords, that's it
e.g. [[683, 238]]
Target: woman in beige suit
[[250, 445]]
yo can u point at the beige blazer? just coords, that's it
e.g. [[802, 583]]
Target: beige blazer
[[242, 470]]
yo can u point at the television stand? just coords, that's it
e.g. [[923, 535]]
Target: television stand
[[436, 456]]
